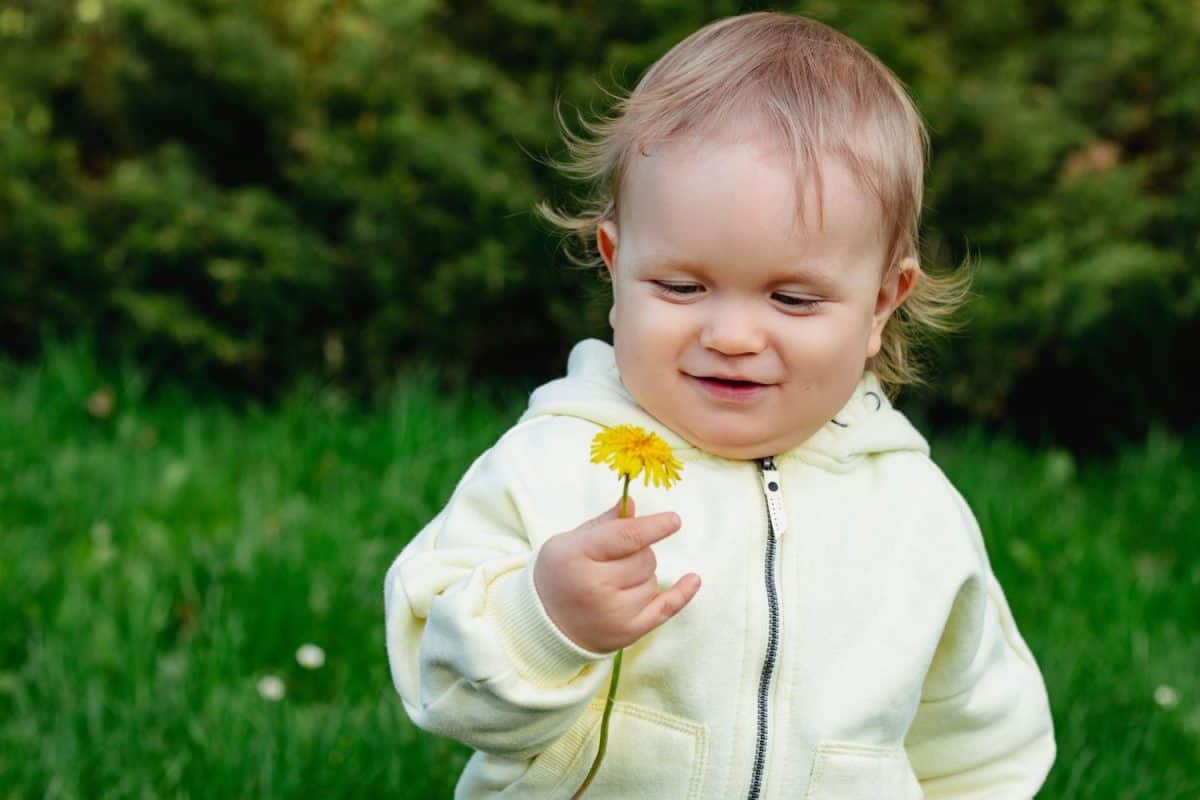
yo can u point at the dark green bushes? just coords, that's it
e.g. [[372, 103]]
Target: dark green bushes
[[251, 191]]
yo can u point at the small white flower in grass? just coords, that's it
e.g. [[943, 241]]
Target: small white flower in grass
[[100, 403], [310, 656], [1166, 696], [271, 688]]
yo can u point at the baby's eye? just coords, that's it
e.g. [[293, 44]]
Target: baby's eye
[[678, 288], [800, 303]]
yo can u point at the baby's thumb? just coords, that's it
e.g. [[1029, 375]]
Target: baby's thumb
[[614, 511]]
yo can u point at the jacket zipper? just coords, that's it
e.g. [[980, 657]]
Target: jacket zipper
[[776, 525]]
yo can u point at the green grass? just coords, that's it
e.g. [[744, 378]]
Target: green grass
[[155, 562]]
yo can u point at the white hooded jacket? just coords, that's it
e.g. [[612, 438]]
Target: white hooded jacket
[[848, 641]]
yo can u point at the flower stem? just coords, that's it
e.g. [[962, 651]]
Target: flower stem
[[608, 706], [612, 687]]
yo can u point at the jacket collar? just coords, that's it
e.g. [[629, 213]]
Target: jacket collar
[[592, 390]]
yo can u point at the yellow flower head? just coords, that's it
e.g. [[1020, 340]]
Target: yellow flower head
[[632, 451]]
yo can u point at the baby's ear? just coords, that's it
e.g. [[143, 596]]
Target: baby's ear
[[607, 237], [897, 284], [895, 287]]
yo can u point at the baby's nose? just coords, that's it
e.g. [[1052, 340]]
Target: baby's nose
[[733, 329]]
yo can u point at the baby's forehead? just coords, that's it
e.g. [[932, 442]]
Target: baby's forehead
[[746, 165], [740, 202]]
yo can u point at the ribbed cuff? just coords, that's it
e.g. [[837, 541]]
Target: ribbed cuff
[[543, 654]]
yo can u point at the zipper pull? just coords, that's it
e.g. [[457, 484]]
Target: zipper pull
[[774, 494]]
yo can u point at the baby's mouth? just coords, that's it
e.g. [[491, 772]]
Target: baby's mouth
[[730, 389], [725, 381], [733, 383]]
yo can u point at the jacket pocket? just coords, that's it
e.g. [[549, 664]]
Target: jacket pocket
[[847, 771], [649, 755]]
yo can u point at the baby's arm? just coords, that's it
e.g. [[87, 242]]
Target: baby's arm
[[983, 730], [473, 653], [477, 647]]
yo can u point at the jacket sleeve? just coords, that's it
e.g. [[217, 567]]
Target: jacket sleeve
[[472, 651], [983, 729]]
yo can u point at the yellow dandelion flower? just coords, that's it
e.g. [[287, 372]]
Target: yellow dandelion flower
[[630, 451], [633, 451]]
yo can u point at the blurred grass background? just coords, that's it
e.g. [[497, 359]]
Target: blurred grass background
[[271, 279], [162, 555]]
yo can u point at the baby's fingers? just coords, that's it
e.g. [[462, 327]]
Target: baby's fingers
[[610, 540], [614, 512], [667, 604]]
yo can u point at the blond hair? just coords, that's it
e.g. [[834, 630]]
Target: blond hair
[[823, 94]]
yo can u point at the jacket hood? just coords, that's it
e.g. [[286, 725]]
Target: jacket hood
[[592, 390]]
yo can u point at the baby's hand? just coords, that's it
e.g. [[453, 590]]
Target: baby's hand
[[597, 582]]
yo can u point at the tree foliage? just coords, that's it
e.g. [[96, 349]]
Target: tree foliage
[[249, 191]]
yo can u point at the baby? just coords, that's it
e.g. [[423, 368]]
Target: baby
[[809, 612]]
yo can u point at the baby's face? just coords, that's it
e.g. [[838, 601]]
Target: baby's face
[[716, 280]]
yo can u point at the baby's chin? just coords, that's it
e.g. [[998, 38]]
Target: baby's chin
[[726, 444]]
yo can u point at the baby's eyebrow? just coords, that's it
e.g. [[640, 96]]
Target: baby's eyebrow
[[813, 276], [670, 264]]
